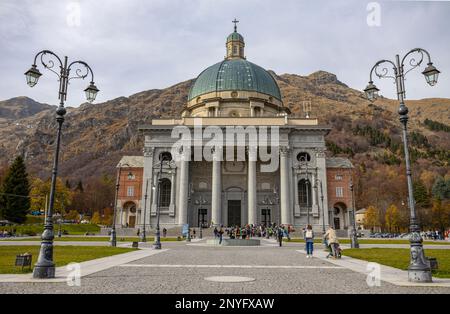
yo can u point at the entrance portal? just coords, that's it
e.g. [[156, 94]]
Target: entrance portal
[[265, 215], [234, 213], [202, 212]]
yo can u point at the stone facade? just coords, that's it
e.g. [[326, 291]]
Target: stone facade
[[235, 93]]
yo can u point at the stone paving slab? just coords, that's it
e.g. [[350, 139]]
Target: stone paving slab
[[275, 270], [389, 274]]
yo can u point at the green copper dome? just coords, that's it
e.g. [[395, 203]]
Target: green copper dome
[[234, 37], [235, 75]]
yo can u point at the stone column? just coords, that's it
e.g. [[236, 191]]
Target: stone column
[[314, 207], [216, 198], [172, 194], [155, 193], [147, 175], [296, 204], [251, 185], [284, 187], [184, 186]]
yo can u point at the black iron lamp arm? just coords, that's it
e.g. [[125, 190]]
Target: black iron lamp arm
[[385, 71], [50, 63], [78, 72]]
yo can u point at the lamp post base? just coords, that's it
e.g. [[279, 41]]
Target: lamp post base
[[354, 243], [157, 244], [113, 238], [419, 275], [44, 272], [143, 237]]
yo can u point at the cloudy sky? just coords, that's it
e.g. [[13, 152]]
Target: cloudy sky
[[137, 45]]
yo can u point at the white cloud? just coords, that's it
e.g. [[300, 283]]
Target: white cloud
[[139, 45]]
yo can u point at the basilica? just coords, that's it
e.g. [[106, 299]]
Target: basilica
[[306, 187]]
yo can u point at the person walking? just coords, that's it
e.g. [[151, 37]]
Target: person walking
[[309, 240], [220, 234], [280, 233], [164, 232], [332, 241]]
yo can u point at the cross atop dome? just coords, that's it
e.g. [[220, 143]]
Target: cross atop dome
[[235, 44], [235, 24]]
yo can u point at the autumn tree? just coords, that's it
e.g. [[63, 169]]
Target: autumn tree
[[392, 218], [72, 215], [96, 218], [63, 196], [372, 218], [440, 215]]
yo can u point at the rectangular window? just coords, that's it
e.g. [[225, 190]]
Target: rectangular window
[[130, 191], [339, 192], [338, 177]]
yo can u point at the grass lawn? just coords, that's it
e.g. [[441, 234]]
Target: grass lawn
[[92, 239], [399, 258], [63, 255], [37, 229], [375, 241]]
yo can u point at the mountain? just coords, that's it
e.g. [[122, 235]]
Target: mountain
[[19, 108], [95, 136]]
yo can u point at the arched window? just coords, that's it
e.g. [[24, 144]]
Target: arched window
[[304, 193], [164, 193], [303, 156]]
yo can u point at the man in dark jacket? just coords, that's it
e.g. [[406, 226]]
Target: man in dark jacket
[[280, 233]]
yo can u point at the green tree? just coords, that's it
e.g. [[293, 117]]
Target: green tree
[[421, 194], [14, 200], [441, 188]]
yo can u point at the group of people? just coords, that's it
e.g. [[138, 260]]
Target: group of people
[[279, 232], [250, 231], [329, 239], [435, 235]]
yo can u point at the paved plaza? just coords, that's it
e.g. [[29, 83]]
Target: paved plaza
[[186, 267]]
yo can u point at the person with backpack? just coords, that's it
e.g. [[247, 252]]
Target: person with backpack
[[309, 240]]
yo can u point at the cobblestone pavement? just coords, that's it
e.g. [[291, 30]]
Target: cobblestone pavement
[[183, 267]]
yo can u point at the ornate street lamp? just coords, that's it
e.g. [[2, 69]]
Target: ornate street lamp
[[317, 184], [45, 267], [143, 233], [354, 235], [163, 157], [419, 268]]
